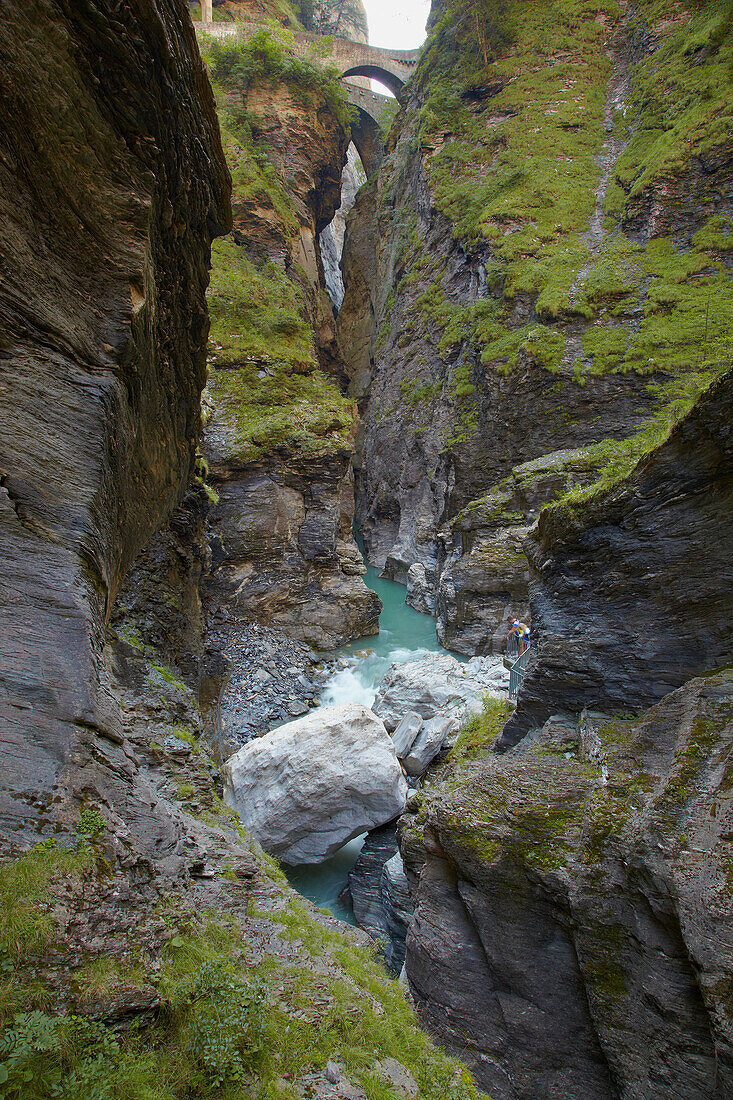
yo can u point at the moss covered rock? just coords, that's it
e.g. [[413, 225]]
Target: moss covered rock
[[572, 923]]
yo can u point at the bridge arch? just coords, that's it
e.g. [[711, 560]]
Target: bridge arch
[[376, 72], [369, 141], [392, 68]]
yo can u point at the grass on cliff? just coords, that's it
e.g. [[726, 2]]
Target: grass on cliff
[[234, 67], [480, 732], [265, 384], [226, 1027], [514, 163], [615, 459]]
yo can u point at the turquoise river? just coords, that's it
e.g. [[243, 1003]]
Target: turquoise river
[[404, 634]]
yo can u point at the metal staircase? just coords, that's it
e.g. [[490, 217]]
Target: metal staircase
[[516, 661]]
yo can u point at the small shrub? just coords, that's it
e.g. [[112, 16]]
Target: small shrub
[[31, 1054], [91, 824], [227, 1020]]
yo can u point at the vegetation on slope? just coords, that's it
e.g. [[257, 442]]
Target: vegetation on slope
[[267, 56], [595, 226], [515, 163], [225, 1026], [119, 984], [267, 387]]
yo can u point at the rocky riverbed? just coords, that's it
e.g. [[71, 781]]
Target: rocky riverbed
[[273, 678]]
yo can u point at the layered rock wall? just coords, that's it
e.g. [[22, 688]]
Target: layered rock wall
[[113, 184], [632, 589], [279, 433], [509, 298], [572, 925]]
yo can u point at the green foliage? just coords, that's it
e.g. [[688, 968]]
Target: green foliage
[[30, 1052], [270, 393], [226, 1020], [225, 1028], [362, 1013], [680, 104], [27, 923], [515, 163], [255, 178], [266, 56], [169, 675], [414, 392], [480, 732], [472, 32], [91, 823], [257, 313], [305, 413]]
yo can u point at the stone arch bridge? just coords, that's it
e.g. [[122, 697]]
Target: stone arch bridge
[[353, 59]]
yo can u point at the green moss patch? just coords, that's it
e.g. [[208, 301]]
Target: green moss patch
[[511, 138], [227, 1026], [265, 387]]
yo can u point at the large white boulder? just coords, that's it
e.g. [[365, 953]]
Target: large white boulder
[[438, 686], [307, 788]]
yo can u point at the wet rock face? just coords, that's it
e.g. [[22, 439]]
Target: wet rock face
[[380, 896], [483, 574], [112, 183], [632, 592], [572, 928], [416, 466]]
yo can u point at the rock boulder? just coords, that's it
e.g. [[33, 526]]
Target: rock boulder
[[437, 685], [310, 786]]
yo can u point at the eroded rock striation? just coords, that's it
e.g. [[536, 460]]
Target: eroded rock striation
[[508, 300], [113, 183], [279, 434], [483, 581], [633, 588]]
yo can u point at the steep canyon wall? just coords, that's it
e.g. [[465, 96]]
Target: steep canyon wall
[[148, 945], [537, 327], [541, 266], [108, 214], [279, 434]]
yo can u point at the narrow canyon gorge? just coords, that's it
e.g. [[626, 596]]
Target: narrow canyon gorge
[[366, 513]]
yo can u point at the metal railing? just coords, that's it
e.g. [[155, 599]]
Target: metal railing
[[516, 672]]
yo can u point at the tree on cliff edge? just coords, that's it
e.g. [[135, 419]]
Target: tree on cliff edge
[[484, 21]]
